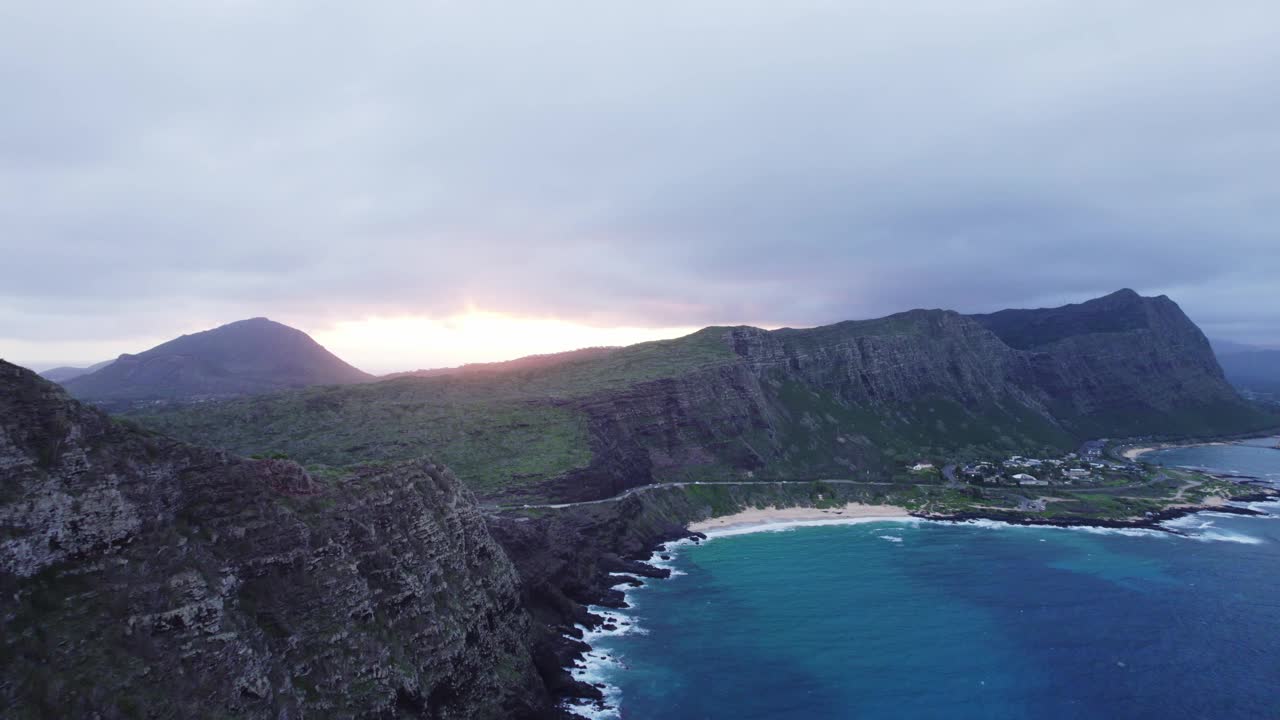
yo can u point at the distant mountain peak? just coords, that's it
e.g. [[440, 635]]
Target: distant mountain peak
[[245, 357]]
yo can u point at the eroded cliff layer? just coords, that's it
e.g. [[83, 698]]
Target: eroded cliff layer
[[859, 399], [142, 577]]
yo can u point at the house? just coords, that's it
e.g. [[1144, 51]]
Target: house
[[921, 466], [978, 470], [1025, 479]]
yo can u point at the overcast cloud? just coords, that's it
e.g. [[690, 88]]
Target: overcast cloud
[[166, 166]]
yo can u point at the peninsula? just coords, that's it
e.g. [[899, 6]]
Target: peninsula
[[435, 544]]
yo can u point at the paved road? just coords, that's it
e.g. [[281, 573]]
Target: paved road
[[949, 472], [656, 486]]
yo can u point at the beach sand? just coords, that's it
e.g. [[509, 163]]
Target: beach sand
[[1131, 454], [772, 515]]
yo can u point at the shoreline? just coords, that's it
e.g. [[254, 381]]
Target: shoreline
[[588, 692], [775, 517], [1133, 452]]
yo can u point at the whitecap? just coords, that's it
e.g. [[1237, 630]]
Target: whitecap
[[595, 669], [1192, 522], [1226, 536], [591, 711], [1197, 527], [890, 538], [1270, 507], [1092, 530], [1127, 532], [789, 525], [655, 559]]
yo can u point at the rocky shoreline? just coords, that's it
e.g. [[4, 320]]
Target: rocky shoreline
[[1134, 450], [1152, 521], [635, 539]]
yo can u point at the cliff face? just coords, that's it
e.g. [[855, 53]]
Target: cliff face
[[1123, 364], [144, 577], [856, 399]]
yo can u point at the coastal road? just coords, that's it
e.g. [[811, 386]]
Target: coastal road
[[949, 472], [655, 486]]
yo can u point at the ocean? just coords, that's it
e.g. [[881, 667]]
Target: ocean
[[1258, 457], [912, 619]]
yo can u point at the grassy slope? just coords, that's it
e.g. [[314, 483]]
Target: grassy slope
[[494, 429], [503, 430]]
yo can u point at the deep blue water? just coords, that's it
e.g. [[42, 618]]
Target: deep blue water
[[932, 620]]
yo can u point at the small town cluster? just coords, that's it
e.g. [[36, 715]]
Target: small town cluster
[[1088, 466]]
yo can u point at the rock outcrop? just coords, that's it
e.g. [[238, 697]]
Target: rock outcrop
[[142, 577]]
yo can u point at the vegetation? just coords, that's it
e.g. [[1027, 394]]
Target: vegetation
[[856, 400], [497, 430]]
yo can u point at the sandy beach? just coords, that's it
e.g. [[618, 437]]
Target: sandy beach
[[772, 515], [1131, 454]]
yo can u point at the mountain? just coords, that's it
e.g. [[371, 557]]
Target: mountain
[[1254, 371], [856, 400], [145, 577], [1222, 348], [65, 373], [242, 358], [528, 362], [1105, 363]]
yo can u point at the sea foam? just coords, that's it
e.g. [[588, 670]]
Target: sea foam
[[789, 525], [1202, 526], [1090, 529], [598, 665], [1191, 527]]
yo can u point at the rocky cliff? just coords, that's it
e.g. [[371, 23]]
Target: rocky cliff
[[859, 399], [855, 400], [1121, 364], [142, 577]]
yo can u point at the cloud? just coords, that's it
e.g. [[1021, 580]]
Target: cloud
[[165, 166]]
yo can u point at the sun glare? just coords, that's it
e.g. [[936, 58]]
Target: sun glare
[[389, 344]]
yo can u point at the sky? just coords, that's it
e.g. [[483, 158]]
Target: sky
[[420, 184]]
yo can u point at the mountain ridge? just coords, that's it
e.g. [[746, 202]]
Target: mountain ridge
[[64, 373], [852, 399], [245, 357]]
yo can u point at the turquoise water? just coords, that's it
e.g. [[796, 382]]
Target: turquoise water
[[932, 620], [1259, 458]]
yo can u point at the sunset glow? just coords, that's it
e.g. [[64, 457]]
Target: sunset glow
[[389, 344]]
